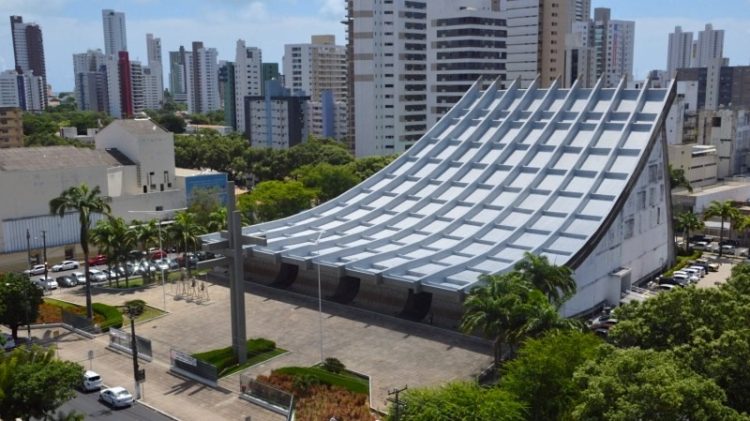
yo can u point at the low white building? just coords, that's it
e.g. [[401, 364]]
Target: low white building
[[699, 162], [133, 165]]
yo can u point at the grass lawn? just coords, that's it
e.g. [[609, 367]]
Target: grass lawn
[[258, 350], [344, 379], [148, 313]]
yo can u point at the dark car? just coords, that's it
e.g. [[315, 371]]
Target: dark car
[[66, 281], [98, 260], [191, 259], [205, 255]]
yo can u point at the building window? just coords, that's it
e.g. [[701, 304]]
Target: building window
[[716, 122], [629, 228]]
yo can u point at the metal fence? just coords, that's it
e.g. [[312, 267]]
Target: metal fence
[[78, 322], [266, 396], [121, 341], [185, 364]]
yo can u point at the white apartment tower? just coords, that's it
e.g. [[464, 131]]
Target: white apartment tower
[[115, 35], [205, 80], [709, 47], [680, 51], [466, 42], [21, 90], [537, 31], [248, 79], [154, 74], [317, 69]]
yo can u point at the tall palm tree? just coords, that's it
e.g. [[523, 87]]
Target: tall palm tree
[[147, 234], [123, 241], [688, 222], [185, 231], [217, 220], [85, 201], [555, 281], [102, 235], [724, 210]]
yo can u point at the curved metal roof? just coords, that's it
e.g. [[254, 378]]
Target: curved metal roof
[[504, 172]]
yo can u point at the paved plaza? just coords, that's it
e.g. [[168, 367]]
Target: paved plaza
[[392, 351]]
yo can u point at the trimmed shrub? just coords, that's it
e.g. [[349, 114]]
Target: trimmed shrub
[[112, 316], [333, 365]]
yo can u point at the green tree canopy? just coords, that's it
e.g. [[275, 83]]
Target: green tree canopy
[[636, 384], [555, 281], [19, 301], [272, 200], [327, 180], [365, 167], [34, 384], [726, 211], [457, 401], [541, 377], [688, 222]]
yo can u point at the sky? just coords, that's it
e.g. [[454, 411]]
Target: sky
[[73, 26]]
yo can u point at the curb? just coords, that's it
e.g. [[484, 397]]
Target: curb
[[158, 411]]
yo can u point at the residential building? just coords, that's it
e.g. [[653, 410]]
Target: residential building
[[28, 51], [247, 80], [277, 119], [24, 91], [180, 69], [90, 81], [725, 86], [125, 85], [318, 69], [270, 71], [154, 73], [204, 95], [227, 81], [112, 80], [680, 52], [728, 130], [115, 34], [537, 31], [132, 163], [699, 163], [709, 47], [137, 87], [468, 201], [11, 127]]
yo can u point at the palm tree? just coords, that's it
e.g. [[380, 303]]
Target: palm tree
[[124, 240], [217, 220], [147, 234], [85, 201], [102, 236], [687, 222], [724, 210], [555, 281], [185, 232]]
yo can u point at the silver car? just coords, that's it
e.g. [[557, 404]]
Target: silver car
[[117, 397]]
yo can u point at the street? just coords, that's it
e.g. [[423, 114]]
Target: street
[[88, 404]]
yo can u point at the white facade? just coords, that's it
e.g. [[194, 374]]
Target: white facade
[[155, 73], [699, 162], [137, 86], [708, 47], [523, 22], [680, 51], [248, 78], [24, 91], [112, 71], [204, 81], [729, 132], [115, 35], [269, 124]]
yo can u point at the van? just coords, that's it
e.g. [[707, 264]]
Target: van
[[91, 381]]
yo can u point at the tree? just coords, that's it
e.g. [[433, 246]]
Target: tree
[[85, 201], [677, 179], [33, 384], [19, 301], [541, 377], [687, 222], [185, 231], [117, 239], [457, 401], [102, 235], [217, 220], [272, 200], [366, 167], [327, 180], [555, 281], [146, 234], [724, 210], [203, 202], [636, 384]]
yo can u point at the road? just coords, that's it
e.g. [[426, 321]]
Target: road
[[88, 404]]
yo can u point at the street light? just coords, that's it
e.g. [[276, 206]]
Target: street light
[[320, 296], [161, 249]]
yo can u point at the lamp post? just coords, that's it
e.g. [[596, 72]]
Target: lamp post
[[28, 248], [133, 310], [320, 296], [44, 248], [163, 278]]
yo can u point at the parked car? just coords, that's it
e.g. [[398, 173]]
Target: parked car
[[46, 283], [700, 268], [91, 381], [728, 249], [137, 254], [65, 265], [98, 260], [679, 281], [80, 277], [7, 341], [66, 281], [205, 255], [602, 322], [158, 254], [684, 277], [694, 272], [665, 287], [116, 397], [35, 270], [191, 259], [161, 264], [96, 275]]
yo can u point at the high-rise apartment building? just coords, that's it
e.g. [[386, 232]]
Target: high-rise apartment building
[[248, 80], [21, 90], [277, 118], [537, 31], [269, 71], [90, 81], [204, 95], [127, 106], [680, 51], [226, 81], [115, 35], [600, 48], [317, 69], [154, 73], [28, 51], [709, 47], [180, 65], [409, 59]]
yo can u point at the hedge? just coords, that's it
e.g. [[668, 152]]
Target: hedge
[[112, 316], [350, 382], [224, 360], [683, 261]]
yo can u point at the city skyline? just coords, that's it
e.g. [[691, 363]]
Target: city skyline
[[270, 25]]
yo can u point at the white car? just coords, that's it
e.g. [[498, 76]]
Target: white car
[[91, 381], [684, 275], [97, 276], [35, 270], [47, 283], [65, 265], [116, 397]]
